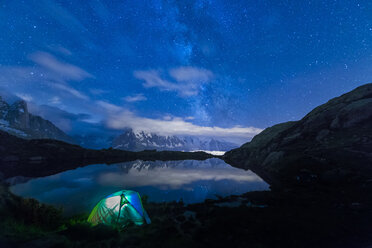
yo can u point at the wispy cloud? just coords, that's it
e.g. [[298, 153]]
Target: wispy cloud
[[110, 108], [23, 96], [64, 70], [70, 90], [49, 75], [120, 118], [60, 49], [55, 100], [63, 16], [191, 74], [135, 98], [186, 81], [62, 119], [98, 92]]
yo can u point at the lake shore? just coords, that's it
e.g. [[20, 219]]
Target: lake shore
[[32, 158], [297, 218]]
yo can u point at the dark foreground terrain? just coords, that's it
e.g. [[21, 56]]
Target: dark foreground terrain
[[298, 218]]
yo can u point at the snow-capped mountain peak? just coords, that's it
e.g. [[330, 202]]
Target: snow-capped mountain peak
[[140, 140]]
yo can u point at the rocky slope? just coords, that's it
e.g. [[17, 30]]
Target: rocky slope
[[331, 145], [15, 119], [138, 141]]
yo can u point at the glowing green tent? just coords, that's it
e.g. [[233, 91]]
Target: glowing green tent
[[120, 208]]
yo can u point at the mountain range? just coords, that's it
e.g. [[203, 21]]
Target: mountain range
[[16, 119], [140, 140]]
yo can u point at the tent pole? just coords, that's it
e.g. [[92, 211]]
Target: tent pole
[[121, 204]]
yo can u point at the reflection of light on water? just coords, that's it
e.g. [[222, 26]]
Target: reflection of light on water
[[173, 177], [80, 189], [217, 153]]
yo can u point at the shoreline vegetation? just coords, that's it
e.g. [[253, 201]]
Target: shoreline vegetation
[[298, 218]]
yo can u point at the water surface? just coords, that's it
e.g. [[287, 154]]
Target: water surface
[[192, 181]]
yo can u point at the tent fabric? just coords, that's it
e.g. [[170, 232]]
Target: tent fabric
[[120, 208]]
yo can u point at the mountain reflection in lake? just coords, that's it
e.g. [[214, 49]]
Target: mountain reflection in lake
[[192, 181]]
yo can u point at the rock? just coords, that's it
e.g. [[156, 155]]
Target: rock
[[332, 143], [273, 157], [322, 134], [335, 176], [18, 115]]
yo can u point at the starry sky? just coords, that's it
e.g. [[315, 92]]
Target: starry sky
[[199, 67]]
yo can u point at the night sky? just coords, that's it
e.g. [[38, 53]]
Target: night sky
[[208, 68]]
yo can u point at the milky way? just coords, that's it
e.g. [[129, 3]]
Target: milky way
[[197, 64]]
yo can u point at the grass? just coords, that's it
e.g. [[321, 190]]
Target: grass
[[291, 219]]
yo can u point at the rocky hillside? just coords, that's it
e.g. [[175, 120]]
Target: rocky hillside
[[15, 119], [331, 145], [140, 140]]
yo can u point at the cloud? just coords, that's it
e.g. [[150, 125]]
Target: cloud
[[60, 49], [26, 97], [110, 108], [62, 119], [191, 74], [120, 118], [65, 70], [167, 118], [48, 76], [63, 16], [135, 98], [186, 81], [153, 79], [97, 92], [70, 90], [55, 100]]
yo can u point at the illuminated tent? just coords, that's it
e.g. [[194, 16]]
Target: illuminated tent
[[120, 208]]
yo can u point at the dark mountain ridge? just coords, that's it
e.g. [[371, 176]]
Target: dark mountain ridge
[[330, 145], [42, 157]]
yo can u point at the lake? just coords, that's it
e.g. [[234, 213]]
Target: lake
[[192, 181]]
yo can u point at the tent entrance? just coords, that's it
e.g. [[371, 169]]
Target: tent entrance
[[123, 201], [120, 208]]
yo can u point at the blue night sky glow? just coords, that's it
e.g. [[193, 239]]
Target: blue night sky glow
[[202, 65]]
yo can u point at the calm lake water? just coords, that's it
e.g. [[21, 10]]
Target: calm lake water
[[192, 181]]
